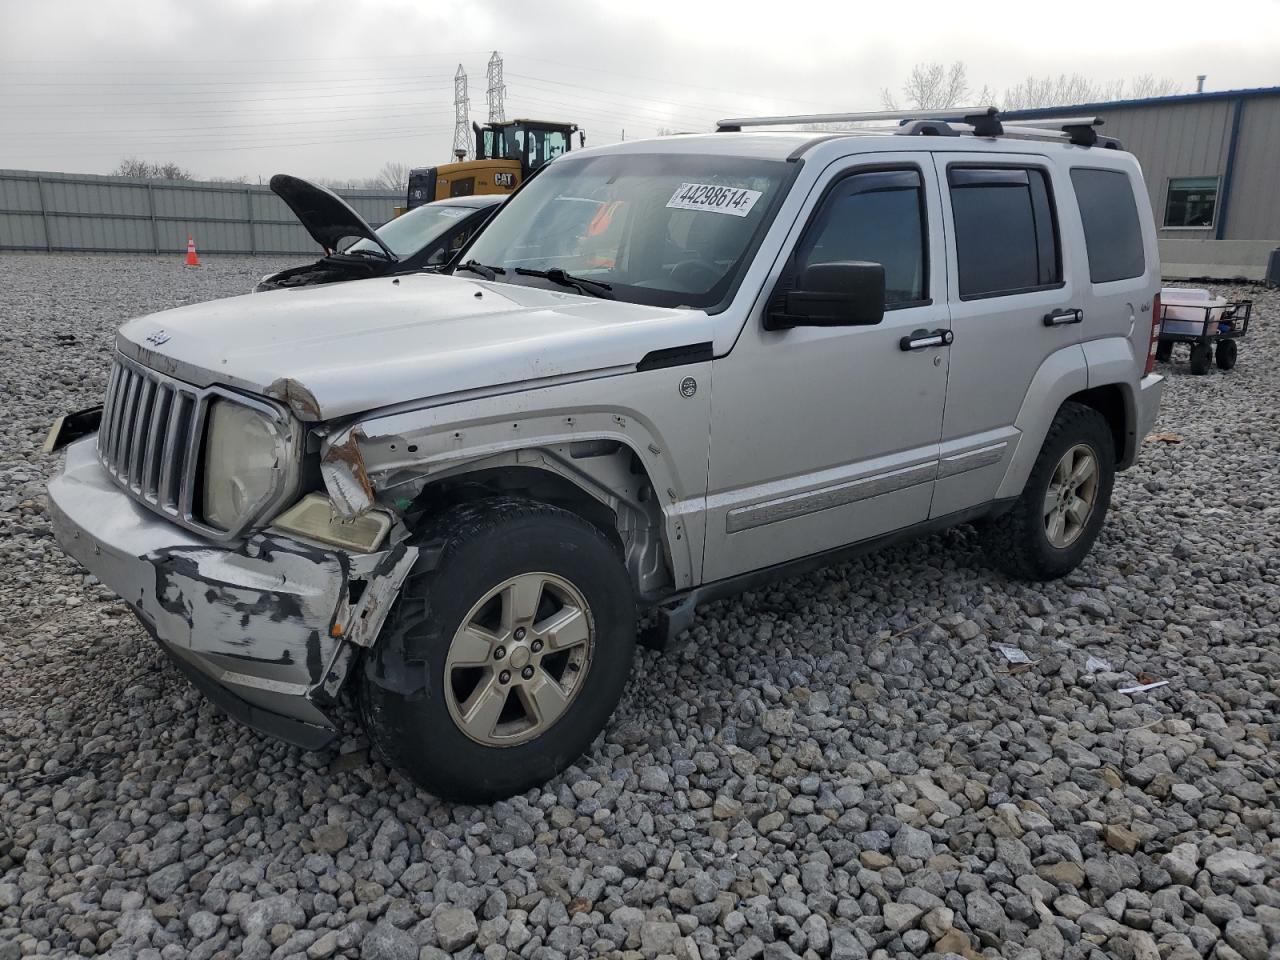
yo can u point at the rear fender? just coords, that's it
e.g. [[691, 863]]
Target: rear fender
[[1112, 363], [1063, 373]]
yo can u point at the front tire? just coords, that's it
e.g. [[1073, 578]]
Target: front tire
[[505, 653], [1057, 517]]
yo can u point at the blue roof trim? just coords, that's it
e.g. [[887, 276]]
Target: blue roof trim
[[1075, 108]]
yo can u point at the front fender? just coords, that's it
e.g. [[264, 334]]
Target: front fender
[[401, 451]]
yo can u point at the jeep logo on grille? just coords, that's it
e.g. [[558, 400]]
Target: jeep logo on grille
[[157, 338]]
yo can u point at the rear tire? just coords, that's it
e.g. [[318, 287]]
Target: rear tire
[[506, 651], [1225, 354], [1201, 357], [1056, 519]]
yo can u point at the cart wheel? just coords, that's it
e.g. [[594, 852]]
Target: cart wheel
[[1164, 350], [1225, 354], [1201, 355]]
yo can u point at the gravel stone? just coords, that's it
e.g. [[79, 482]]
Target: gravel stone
[[833, 766], [455, 927], [1242, 866], [386, 942]]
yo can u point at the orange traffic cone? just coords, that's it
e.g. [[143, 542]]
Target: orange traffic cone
[[192, 259]]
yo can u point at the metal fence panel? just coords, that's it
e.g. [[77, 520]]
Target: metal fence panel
[[86, 212]]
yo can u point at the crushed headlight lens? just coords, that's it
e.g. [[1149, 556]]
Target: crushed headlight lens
[[242, 460]]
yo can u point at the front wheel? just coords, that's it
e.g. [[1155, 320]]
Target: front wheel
[[1057, 517], [499, 665]]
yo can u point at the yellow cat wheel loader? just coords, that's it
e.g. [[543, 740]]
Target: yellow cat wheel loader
[[507, 152]]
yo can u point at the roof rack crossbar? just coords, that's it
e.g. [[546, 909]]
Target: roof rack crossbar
[[981, 121], [736, 124]]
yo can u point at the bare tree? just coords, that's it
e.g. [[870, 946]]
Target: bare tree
[[143, 170], [1065, 90], [934, 86], [394, 176]]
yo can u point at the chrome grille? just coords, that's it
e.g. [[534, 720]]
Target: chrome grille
[[152, 434], [149, 437]]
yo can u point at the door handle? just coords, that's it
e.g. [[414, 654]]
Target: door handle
[[1060, 318], [923, 339]]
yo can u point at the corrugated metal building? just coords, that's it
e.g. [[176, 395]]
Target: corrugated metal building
[[88, 213], [1212, 166]]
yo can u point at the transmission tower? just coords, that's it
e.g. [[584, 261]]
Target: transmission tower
[[461, 116], [497, 90]]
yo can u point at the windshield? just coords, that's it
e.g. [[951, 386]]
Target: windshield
[[410, 232], [661, 229]]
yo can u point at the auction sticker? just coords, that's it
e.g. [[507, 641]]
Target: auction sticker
[[735, 201]]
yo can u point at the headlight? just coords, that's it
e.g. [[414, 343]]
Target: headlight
[[243, 456]]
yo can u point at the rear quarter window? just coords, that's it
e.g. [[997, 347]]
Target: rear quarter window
[[1112, 232]]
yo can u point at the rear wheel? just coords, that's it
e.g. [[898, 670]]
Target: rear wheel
[[1225, 355], [500, 664], [1054, 522], [1201, 356]]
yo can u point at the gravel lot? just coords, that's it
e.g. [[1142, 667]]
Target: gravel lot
[[841, 766]]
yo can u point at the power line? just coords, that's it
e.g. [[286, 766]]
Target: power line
[[231, 126], [218, 98], [261, 146], [666, 81]]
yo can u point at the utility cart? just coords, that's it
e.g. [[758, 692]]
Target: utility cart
[[1211, 325]]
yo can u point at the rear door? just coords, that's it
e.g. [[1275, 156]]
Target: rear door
[[1012, 306]]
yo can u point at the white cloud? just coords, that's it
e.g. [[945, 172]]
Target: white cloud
[[329, 88]]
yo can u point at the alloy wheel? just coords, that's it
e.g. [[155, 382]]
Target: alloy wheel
[[518, 660], [1072, 494]]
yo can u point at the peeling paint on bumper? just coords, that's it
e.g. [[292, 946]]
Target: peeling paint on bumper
[[252, 625]]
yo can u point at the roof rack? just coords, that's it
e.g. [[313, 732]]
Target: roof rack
[[952, 122]]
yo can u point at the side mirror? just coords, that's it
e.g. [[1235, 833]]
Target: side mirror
[[845, 293]]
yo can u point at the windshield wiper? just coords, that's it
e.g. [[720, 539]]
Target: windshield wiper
[[556, 275], [488, 273], [378, 254]]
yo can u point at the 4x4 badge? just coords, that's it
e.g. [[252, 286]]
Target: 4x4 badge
[[688, 387]]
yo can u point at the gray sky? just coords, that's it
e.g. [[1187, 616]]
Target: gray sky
[[323, 88]]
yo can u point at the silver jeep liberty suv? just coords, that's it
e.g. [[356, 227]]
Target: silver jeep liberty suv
[[664, 371]]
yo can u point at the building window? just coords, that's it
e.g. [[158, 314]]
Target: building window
[[1192, 202]]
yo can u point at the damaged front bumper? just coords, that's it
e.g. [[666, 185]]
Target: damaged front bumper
[[267, 629]]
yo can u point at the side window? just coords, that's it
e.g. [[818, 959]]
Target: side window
[[1006, 237], [876, 216], [1112, 234]]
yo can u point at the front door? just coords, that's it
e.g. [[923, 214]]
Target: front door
[[824, 436]]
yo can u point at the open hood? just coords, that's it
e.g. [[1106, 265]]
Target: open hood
[[327, 217]]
